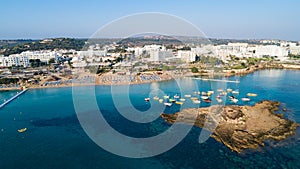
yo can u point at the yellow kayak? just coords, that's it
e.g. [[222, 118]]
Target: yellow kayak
[[251, 94], [180, 103], [22, 130]]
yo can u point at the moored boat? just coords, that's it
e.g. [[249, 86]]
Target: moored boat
[[210, 91], [187, 95], [166, 97], [180, 103], [196, 101], [22, 130], [246, 99], [229, 90], [207, 100], [235, 92], [147, 99], [172, 100], [219, 100], [231, 97], [235, 100], [176, 97], [251, 94], [168, 104], [155, 98], [204, 97], [194, 98]]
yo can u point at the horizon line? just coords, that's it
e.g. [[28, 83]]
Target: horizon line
[[217, 38]]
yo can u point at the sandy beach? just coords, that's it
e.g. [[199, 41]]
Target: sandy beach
[[144, 77]]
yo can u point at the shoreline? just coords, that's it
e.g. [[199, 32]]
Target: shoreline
[[167, 77]]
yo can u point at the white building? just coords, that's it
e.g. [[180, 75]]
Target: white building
[[288, 44], [148, 48], [138, 51], [157, 53], [295, 50], [271, 50], [233, 49], [160, 56], [44, 56], [14, 60], [186, 55], [92, 53], [207, 50]]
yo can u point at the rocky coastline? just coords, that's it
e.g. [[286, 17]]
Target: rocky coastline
[[238, 127]]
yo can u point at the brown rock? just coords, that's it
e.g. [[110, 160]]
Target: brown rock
[[239, 127]]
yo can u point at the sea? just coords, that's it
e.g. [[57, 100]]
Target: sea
[[55, 137]]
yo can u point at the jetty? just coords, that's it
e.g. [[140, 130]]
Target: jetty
[[218, 80], [13, 98]]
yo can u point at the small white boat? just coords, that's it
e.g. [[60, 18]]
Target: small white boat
[[204, 97], [155, 98], [172, 100], [210, 91], [197, 92], [246, 99], [182, 100], [187, 95], [231, 97], [229, 90], [220, 90], [234, 100], [147, 99], [168, 104], [235, 92], [166, 97], [219, 100], [196, 101], [176, 97]]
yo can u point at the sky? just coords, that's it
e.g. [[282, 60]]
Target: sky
[[233, 19]]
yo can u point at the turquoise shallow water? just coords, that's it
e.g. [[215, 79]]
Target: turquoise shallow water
[[55, 138]]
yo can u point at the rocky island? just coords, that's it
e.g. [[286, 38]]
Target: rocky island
[[238, 127]]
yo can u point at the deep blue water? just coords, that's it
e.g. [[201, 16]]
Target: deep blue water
[[55, 138]]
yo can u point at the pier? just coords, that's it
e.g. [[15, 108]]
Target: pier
[[13, 98], [218, 80]]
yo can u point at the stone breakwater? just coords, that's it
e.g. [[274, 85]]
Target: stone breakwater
[[238, 127]]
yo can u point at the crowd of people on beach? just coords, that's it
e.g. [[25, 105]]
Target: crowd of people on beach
[[3, 86], [150, 78], [107, 79], [59, 82]]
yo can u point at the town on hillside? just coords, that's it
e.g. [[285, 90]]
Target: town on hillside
[[55, 62]]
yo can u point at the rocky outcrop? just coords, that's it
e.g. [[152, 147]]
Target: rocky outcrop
[[238, 127]]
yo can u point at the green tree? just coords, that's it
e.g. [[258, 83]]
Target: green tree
[[194, 70], [51, 61]]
